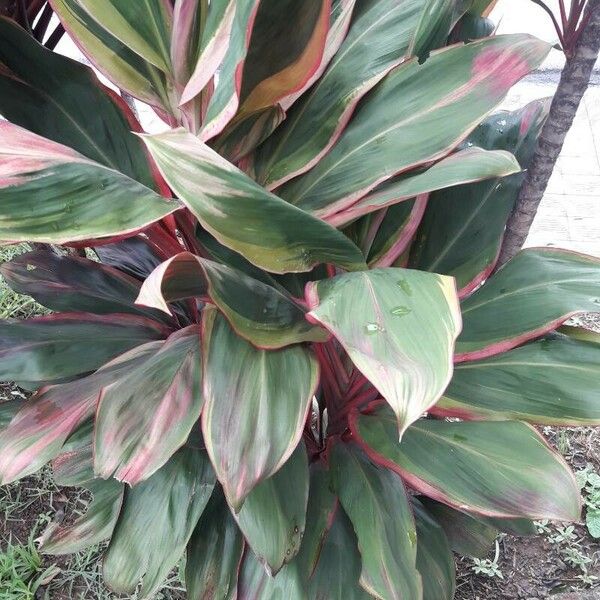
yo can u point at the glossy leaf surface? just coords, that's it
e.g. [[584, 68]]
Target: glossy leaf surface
[[553, 381], [537, 290], [258, 312], [377, 504], [499, 469], [156, 522], [273, 516], [463, 226], [256, 404], [453, 90], [143, 419], [50, 193], [398, 327]]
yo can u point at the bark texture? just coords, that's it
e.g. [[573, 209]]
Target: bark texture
[[573, 83]]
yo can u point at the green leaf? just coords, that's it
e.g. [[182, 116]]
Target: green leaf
[[434, 557], [45, 421], [536, 291], [553, 381], [467, 534], [470, 164], [201, 37], [74, 467], [8, 409], [398, 327], [156, 522], [292, 580], [258, 312], [287, 45], [378, 40], [144, 26], [498, 469], [463, 226], [214, 553], [50, 95], [418, 114], [243, 216], [256, 404], [56, 347], [273, 516], [143, 419], [592, 522], [50, 193], [225, 100], [339, 567], [72, 283], [120, 64], [376, 502]]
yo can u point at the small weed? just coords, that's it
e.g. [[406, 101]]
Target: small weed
[[488, 567], [589, 483], [543, 527], [564, 535]]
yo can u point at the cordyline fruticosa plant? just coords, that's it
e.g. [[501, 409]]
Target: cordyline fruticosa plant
[[290, 362]]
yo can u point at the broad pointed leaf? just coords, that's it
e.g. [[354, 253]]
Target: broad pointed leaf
[[377, 504], [50, 193], [243, 216], [50, 95], [75, 467], [339, 567], [133, 256], [200, 51], [144, 26], [143, 418], [295, 577], [378, 40], [8, 409], [398, 327], [45, 421], [470, 164], [72, 283], [273, 516], [536, 291], [463, 226], [339, 21], [258, 312], [418, 114], [434, 557], [56, 347], [498, 469], [553, 381], [214, 553], [286, 48], [226, 98], [256, 406], [119, 63], [157, 520]]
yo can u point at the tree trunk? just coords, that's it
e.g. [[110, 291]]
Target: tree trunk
[[573, 83]]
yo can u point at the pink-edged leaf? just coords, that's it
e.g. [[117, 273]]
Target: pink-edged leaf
[[50, 193], [256, 404], [225, 99], [535, 292], [146, 416], [286, 49], [56, 347], [500, 469], [377, 41], [341, 13], [406, 123], [398, 326], [38, 431], [73, 283], [215, 40], [262, 314], [74, 467], [396, 232]]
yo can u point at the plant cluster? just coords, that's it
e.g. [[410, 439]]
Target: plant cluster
[[287, 358]]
